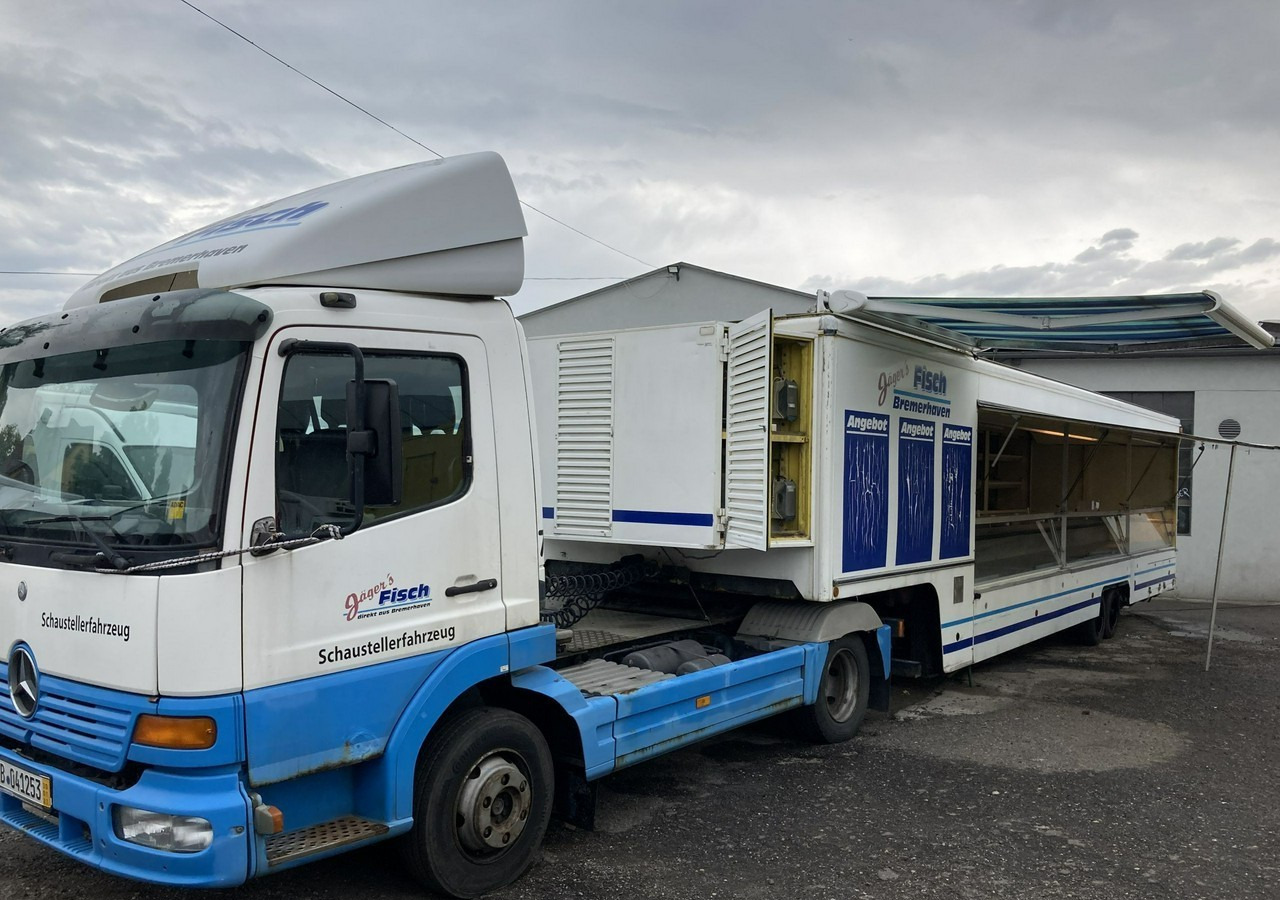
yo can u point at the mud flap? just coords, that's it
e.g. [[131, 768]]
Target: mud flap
[[880, 652], [575, 800]]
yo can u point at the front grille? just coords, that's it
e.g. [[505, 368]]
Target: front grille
[[74, 721]]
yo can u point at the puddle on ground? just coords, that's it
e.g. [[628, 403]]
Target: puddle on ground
[[1018, 733], [1219, 634]]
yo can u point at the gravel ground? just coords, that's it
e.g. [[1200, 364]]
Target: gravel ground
[[1123, 770]]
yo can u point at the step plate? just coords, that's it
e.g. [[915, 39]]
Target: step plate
[[292, 845]]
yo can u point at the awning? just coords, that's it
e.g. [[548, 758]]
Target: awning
[[1107, 324]]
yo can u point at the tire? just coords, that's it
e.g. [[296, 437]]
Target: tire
[[837, 714], [1092, 632], [482, 800], [1111, 617]]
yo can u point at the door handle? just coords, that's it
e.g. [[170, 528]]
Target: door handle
[[486, 584]]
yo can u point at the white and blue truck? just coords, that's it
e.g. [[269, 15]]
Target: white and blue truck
[[289, 568]]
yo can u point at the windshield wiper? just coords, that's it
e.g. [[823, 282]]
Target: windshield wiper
[[111, 556]]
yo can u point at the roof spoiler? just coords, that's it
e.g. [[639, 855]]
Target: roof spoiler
[[449, 226]]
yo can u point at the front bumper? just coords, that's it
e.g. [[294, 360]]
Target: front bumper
[[83, 828]]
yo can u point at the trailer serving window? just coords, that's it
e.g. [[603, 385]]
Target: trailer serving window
[[313, 477], [1055, 494]]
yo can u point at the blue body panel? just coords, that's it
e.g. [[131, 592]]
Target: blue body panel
[[349, 716], [594, 716], [391, 775], [661, 717], [623, 729], [884, 640], [214, 794]]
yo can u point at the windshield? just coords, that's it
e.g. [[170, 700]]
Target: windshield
[[126, 445]]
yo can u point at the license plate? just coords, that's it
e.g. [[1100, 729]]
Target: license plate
[[26, 785]]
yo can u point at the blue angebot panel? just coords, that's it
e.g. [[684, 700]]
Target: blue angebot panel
[[915, 490], [866, 491], [957, 490]]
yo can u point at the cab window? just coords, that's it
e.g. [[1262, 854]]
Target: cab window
[[313, 470]]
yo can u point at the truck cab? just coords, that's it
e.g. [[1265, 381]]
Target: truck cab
[[207, 625]]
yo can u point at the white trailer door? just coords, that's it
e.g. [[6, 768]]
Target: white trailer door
[[747, 411]]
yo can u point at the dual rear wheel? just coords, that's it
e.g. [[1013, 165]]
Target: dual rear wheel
[[842, 694], [1102, 626]]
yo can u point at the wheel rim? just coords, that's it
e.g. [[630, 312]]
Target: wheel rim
[[494, 803], [840, 685]]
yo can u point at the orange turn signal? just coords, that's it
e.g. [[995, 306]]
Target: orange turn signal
[[175, 733]]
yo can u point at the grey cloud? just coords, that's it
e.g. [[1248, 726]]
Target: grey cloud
[[1262, 249], [1087, 273], [1119, 234], [1202, 249], [1115, 242]]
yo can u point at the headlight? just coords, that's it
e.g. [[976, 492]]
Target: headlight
[[161, 831]]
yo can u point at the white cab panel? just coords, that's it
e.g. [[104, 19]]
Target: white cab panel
[[198, 633], [91, 627]]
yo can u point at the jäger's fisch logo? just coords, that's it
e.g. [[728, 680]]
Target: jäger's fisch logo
[[384, 598]]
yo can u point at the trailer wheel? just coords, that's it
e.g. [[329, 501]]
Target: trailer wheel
[[1111, 609], [842, 694], [481, 804], [1092, 632]]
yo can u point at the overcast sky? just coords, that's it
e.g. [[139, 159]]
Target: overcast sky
[[932, 147]]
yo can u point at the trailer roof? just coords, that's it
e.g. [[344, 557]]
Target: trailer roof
[[1105, 324]]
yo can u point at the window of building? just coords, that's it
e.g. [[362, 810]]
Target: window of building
[[313, 481], [1180, 405]]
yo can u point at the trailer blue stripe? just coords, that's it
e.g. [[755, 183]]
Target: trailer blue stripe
[[1004, 609], [652, 517], [1018, 626]]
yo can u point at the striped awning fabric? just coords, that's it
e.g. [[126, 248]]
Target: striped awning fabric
[[1115, 323]]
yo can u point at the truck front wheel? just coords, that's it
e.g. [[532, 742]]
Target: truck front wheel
[[482, 803], [842, 693]]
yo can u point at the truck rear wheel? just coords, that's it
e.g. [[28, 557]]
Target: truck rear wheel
[[842, 694], [1112, 613], [481, 805], [1092, 632]]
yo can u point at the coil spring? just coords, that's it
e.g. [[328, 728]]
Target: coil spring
[[584, 592]]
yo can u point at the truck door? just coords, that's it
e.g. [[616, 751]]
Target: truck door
[[344, 607]]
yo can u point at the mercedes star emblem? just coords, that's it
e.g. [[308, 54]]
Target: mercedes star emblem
[[22, 590], [24, 682]]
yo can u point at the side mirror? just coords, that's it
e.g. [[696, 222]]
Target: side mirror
[[378, 448]]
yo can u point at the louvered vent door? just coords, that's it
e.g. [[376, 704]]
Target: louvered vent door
[[584, 437], [746, 460]]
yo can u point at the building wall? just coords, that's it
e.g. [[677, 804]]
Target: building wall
[[1238, 386]]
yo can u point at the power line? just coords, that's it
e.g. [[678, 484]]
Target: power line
[[382, 121], [292, 68], [577, 278]]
